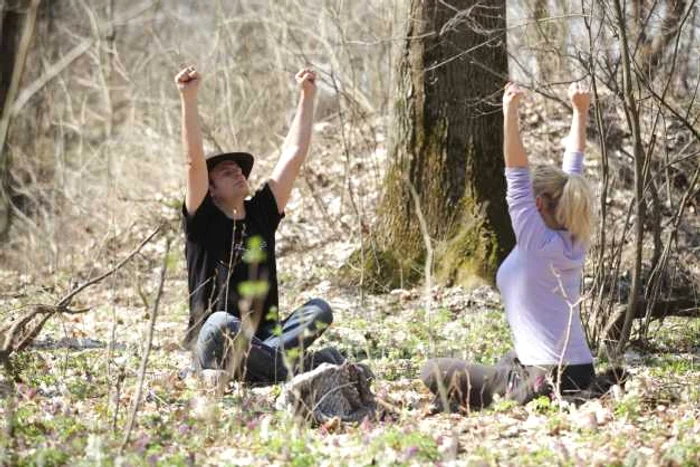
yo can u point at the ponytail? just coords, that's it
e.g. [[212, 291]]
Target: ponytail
[[572, 199], [575, 209]]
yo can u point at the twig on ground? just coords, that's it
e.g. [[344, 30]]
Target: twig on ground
[[120, 380], [147, 351], [14, 337], [428, 269]]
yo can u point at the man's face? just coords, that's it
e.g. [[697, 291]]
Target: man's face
[[227, 182]]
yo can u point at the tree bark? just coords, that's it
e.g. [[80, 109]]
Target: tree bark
[[10, 32], [447, 141], [15, 45]]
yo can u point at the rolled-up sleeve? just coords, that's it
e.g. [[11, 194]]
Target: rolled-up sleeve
[[573, 162]]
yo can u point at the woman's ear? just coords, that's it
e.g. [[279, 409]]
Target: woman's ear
[[539, 203]]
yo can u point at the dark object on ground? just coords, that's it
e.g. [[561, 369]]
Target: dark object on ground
[[462, 387], [330, 391], [600, 386], [467, 386]]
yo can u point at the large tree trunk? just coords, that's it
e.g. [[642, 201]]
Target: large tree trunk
[[447, 143], [10, 32], [10, 77]]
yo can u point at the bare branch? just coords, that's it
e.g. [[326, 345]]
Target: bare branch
[[50, 74], [147, 351], [67, 299]]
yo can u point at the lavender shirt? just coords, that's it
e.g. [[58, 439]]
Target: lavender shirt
[[537, 302]]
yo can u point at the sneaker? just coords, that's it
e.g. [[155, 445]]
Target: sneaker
[[214, 378]]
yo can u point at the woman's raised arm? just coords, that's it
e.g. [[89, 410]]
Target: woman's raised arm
[[513, 149], [576, 142]]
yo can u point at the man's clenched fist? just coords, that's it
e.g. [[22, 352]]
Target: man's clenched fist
[[187, 81]]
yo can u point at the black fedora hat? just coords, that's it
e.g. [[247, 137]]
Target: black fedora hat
[[243, 159]]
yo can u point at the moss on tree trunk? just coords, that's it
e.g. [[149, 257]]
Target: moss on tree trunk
[[446, 142]]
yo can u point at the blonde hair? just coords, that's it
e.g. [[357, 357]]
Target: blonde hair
[[571, 200]]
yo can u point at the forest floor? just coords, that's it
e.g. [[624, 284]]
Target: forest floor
[[75, 385]]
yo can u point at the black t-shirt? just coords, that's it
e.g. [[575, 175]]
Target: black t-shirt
[[215, 248]]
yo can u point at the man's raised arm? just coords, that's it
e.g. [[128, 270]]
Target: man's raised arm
[[297, 143], [187, 81]]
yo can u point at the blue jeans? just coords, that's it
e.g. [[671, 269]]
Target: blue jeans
[[262, 362]]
